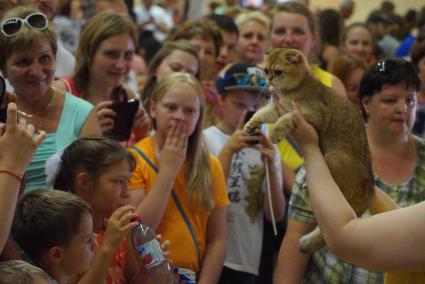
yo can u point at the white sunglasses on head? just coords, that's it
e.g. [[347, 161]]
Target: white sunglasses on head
[[11, 27]]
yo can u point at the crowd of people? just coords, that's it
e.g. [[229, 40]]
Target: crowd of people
[[227, 206]]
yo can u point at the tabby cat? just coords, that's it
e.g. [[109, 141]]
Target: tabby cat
[[338, 122]]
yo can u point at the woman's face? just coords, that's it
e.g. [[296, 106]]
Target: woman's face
[[252, 43], [179, 104], [392, 110], [111, 62], [351, 83], [292, 31], [31, 71], [358, 41], [206, 52], [177, 61]]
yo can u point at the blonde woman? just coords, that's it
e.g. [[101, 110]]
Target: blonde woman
[[27, 59], [253, 37]]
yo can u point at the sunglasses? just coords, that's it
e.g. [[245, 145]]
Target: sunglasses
[[37, 21], [243, 80], [391, 64]]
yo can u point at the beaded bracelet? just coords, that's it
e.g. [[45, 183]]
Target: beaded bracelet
[[11, 174]]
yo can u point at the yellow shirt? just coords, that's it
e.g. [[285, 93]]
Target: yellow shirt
[[172, 227]]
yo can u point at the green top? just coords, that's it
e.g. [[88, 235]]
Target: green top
[[74, 115]]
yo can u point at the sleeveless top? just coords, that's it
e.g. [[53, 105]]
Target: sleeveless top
[[74, 114], [70, 86]]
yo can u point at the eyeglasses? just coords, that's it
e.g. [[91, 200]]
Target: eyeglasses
[[11, 27]]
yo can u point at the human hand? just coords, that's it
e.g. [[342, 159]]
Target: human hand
[[141, 124], [8, 98], [173, 154], [17, 142], [164, 246], [267, 149], [105, 115], [303, 132], [239, 140], [279, 109], [119, 225]]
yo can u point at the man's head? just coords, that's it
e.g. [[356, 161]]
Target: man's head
[[378, 23]]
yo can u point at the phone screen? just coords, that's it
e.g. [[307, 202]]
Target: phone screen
[[123, 121]]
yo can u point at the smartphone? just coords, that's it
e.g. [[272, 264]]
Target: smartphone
[[248, 116], [123, 121], [3, 109]]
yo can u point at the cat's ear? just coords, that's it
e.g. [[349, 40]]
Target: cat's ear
[[293, 57]]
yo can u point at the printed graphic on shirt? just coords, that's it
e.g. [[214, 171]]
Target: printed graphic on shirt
[[245, 185]]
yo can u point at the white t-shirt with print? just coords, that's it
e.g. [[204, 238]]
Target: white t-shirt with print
[[246, 188]]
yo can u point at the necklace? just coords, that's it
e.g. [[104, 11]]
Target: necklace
[[45, 108], [40, 120]]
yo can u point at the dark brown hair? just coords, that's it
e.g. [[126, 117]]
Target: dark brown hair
[[92, 155], [46, 218]]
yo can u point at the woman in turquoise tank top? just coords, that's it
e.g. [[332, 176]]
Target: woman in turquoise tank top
[[27, 55]]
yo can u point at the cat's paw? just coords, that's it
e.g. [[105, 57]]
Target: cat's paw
[[309, 244], [248, 130], [278, 134], [305, 244], [275, 137]]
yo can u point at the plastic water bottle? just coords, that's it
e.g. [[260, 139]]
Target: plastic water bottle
[[150, 254]]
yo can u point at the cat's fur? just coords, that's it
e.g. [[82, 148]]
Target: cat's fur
[[338, 122]]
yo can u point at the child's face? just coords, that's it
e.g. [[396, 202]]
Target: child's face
[[179, 103], [79, 254], [235, 103], [110, 190]]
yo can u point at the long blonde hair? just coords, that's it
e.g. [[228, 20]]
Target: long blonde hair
[[198, 170]]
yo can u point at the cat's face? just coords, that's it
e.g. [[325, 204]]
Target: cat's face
[[285, 68]]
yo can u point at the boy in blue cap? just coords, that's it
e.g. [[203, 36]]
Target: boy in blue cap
[[245, 160]]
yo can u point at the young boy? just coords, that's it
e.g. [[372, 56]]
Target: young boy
[[55, 230], [18, 271], [244, 160]]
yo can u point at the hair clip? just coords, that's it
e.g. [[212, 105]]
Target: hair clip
[[381, 66], [52, 167]]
